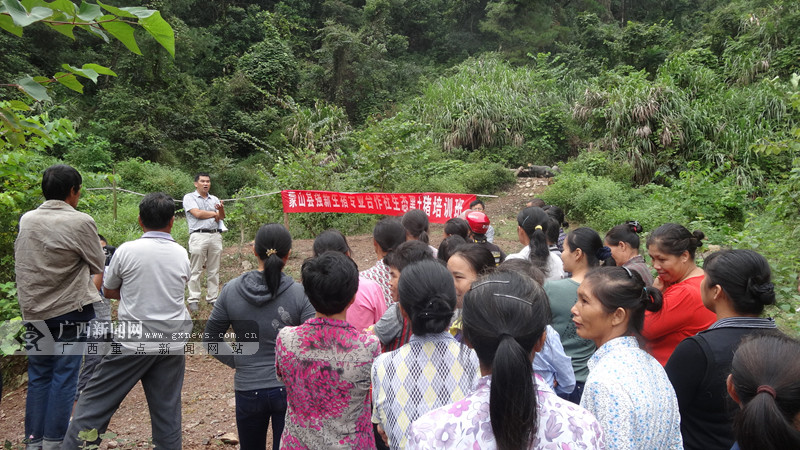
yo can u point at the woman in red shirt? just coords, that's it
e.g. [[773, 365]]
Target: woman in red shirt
[[672, 250]]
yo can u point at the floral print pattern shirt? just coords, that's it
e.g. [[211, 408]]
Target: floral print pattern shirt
[[325, 364], [379, 273], [466, 425], [629, 393]]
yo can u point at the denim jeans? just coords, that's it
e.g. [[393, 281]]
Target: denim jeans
[[254, 409], [576, 394], [52, 380]]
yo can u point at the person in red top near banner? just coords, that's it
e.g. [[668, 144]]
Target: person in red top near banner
[[672, 249]]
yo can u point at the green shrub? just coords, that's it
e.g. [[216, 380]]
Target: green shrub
[[249, 172], [145, 177], [585, 197], [99, 205], [486, 178], [601, 164], [486, 105], [93, 153]]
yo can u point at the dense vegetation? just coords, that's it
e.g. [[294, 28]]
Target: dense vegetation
[[680, 111]]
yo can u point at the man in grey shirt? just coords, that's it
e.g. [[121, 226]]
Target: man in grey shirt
[[204, 214], [56, 252]]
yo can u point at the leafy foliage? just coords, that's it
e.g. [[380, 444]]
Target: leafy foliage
[[145, 176], [659, 111], [487, 104], [64, 17]]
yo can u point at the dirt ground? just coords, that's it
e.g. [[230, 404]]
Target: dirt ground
[[207, 396]]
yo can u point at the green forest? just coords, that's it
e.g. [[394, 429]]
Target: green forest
[[681, 111]]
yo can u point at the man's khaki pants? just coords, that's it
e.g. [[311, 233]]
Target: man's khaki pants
[[205, 250]]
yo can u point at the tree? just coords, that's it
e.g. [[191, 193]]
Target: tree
[[64, 16], [25, 130]]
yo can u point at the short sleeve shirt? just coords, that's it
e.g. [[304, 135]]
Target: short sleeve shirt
[[151, 274], [630, 394], [193, 200], [326, 364], [426, 373]]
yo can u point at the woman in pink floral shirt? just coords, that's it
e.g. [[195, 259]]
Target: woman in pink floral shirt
[[504, 320], [325, 364]]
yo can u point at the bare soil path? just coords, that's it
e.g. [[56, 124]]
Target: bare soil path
[[207, 396]]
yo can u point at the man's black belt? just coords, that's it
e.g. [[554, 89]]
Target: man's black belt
[[207, 231]]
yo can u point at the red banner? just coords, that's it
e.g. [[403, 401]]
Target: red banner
[[439, 207]]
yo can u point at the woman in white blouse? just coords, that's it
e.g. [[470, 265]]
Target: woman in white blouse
[[627, 389], [532, 223]]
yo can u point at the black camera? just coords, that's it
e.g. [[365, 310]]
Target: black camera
[[109, 251]]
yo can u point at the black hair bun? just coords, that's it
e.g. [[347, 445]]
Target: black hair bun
[[763, 292], [603, 253], [634, 226]]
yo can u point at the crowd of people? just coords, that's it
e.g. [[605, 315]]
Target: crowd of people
[[571, 342]]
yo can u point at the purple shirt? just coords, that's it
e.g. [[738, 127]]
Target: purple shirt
[[466, 423]]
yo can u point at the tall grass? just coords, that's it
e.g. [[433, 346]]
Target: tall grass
[[487, 103]]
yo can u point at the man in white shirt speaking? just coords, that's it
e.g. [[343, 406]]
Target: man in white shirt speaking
[[204, 214]]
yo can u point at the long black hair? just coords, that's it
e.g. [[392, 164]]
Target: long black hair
[[504, 317], [591, 245], [330, 240], [534, 222], [457, 226], [449, 246], [627, 232], [766, 377], [478, 256], [389, 233], [674, 239], [273, 242], [416, 223]]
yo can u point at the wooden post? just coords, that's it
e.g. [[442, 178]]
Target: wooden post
[[114, 185], [286, 220]]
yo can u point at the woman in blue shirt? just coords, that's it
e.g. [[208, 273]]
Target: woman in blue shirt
[[627, 389]]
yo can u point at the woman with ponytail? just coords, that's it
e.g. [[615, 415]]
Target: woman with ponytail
[[505, 315], [627, 389], [432, 369], [736, 288], [623, 240], [672, 251], [386, 236], [262, 301], [532, 223], [583, 251], [765, 382], [417, 227]]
